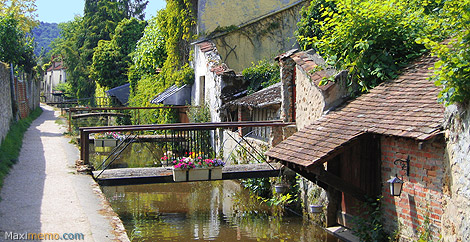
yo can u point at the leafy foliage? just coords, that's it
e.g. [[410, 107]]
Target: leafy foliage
[[24, 11], [81, 36], [452, 72], [111, 59], [369, 38], [15, 47], [261, 75], [311, 21], [164, 47], [199, 114], [368, 226]]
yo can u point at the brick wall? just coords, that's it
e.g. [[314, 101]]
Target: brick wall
[[5, 100], [423, 191]]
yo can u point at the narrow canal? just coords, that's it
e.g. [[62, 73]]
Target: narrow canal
[[203, 211]]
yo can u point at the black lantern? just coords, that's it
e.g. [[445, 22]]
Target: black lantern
[[395, 186]]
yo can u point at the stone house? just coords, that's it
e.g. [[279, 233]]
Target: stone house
[[352, 150], [263, 105], [236, 34], [54, 75]]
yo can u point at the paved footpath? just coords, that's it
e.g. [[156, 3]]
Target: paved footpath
[[44, 194]]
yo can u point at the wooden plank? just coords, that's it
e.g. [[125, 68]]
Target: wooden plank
[[128, 176], [85, 115]]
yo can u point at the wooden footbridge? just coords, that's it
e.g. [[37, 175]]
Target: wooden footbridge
[[132, 176], [179, 139]]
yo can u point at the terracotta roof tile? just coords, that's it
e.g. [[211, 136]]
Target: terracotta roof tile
[[206, 46], [265, 97], [405, 107]]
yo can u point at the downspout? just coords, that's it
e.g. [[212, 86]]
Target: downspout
[[13, 96]]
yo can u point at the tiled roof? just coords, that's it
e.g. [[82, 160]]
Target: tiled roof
[[405, 107], [206, 46], [262, 98]]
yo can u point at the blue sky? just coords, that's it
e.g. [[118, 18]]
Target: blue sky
[[57, 11]]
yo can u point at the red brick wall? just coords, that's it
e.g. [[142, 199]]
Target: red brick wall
[[422, 193], [21, 98]]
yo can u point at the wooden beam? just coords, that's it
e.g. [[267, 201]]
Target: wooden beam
[[85, 115], [339, 184]]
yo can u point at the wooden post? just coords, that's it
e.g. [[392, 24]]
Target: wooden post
[[70, 121], [334, 200], [84, 147]]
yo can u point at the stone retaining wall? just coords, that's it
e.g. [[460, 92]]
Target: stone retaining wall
[[5, 100], [456, 217]]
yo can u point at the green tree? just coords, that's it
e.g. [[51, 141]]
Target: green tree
[[149, 54], [452, 72], [165, 46], [15, 47], [371, 39], [111, 59], [22, 10], [68, 46]]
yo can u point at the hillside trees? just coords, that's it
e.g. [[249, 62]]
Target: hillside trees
[[43, 35], [81, 36]]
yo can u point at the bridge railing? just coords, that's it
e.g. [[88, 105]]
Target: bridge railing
[[177, 140], [74, 114]]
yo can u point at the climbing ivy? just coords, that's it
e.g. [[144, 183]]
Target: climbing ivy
[[162, 56], [261, 75]]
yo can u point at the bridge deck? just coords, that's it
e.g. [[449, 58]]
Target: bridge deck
[[132, 176]]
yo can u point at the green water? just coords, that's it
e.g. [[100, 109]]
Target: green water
[[204, 211], [137, 154]]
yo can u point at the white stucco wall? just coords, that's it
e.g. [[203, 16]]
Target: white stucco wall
[[204, 62]]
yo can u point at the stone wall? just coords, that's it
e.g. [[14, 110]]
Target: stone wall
[[5, 100], [262, 39], [456, 217], [424, 190], [214, 14], [310, 101]]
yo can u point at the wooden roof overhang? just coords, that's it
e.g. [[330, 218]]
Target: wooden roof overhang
[[404, 107]]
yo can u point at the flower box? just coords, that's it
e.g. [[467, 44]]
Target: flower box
[[106, 142], [197, 174]]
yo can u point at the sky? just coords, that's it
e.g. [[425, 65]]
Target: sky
[[58, 11]]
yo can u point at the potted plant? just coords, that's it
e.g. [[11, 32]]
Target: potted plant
[[107, 139], [195, 168], [280, 186], [314, 201]]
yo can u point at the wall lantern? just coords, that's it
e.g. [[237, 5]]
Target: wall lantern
[[395, 186]]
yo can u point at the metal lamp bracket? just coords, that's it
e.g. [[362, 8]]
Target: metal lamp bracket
[[405, 164]]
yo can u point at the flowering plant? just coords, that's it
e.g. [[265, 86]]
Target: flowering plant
[[194, 161], [108, 135]]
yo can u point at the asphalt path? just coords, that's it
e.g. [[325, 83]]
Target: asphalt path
[[44, 194]]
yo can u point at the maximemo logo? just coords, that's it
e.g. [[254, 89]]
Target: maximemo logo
[[9, 235]]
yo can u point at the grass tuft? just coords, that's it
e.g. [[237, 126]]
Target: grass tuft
[[11, 145]]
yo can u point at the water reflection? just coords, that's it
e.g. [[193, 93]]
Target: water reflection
[[138, 154], [207, 211]]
